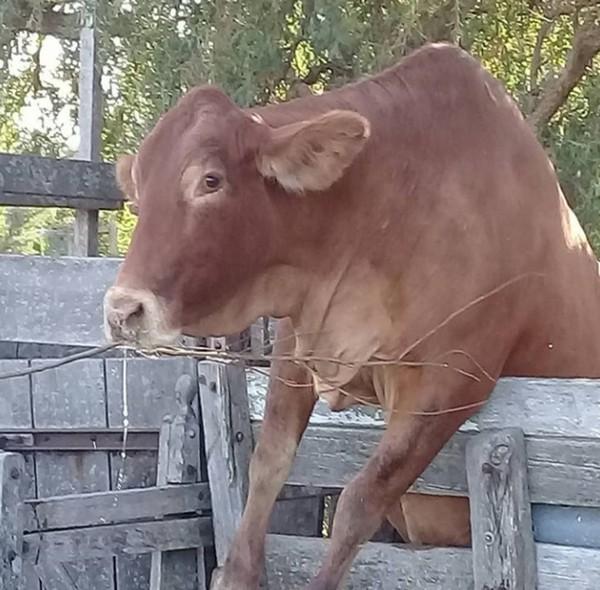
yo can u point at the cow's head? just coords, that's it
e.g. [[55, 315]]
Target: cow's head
[[223, 201]]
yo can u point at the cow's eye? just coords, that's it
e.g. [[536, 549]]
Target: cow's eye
[[211, 182]]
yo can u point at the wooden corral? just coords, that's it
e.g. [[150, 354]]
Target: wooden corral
[[73, 514], [67, 424]]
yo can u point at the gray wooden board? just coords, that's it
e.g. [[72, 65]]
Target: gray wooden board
[[15, 412], [150, 396], [540, 407], [292, 561], [11, 199], [12, 473], [85, 234], [57, 182], [101, 508], [150, 389], [181, 570], [53, 300], [564, 525], [561, 471], [9, 350], [138, 471], [73, 396], [501, 528], [228, 442], [15, 403], [98, 543], [296, 514]]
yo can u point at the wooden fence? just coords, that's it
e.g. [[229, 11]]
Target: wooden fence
[[67, 425]]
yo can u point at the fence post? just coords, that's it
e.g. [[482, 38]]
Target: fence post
[[85, 239], [12, 473], [178, 463], [504, 555], [228, 444]]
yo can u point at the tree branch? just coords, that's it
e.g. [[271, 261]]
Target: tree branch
[[48, 22], [586, 45], [536, 60]]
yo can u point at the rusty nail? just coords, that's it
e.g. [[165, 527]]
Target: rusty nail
[[239, 436]]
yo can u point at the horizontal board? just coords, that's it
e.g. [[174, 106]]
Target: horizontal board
[[563, 525], [101, 508], [54, 300], [540, 407], [561, 471], [40, 181], [15, 402], [293, 561], [45, 300], [120, 539]]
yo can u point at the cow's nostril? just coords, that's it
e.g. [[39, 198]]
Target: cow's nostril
[[137, 311]]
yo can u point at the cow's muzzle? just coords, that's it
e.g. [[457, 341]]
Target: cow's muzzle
[[134, 316]]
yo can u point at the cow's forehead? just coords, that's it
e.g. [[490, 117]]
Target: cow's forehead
[[201, 118]]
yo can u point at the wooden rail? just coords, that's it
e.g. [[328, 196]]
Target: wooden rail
[[35, 181]]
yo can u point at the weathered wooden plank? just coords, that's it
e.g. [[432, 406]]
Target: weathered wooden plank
[[541, 407], [179, 463], [150, 389], [228, 443], [501, 527], [183, 569], [12, 473], [297, 514], [101, 508], [292, 561], [151, 395], [258, 382], [16, 412], [85, 238], [138, 471], [11, 199], [36, 180], [73, 396], [54, 300], [565, 525], [70, 396], [8, 350], [96, 543], [561, 471], [55, 575], [15, 402]]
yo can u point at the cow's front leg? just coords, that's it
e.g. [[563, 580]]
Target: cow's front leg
[[290, 401], [406, 448]]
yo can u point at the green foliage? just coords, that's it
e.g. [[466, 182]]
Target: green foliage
[[260, 51]]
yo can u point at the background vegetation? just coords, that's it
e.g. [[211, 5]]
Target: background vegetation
[[545, 51]]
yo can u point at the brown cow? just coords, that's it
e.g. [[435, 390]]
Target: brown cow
[[411, 228]]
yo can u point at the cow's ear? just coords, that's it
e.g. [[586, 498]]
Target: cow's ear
[[125, 180], [313, 154]]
